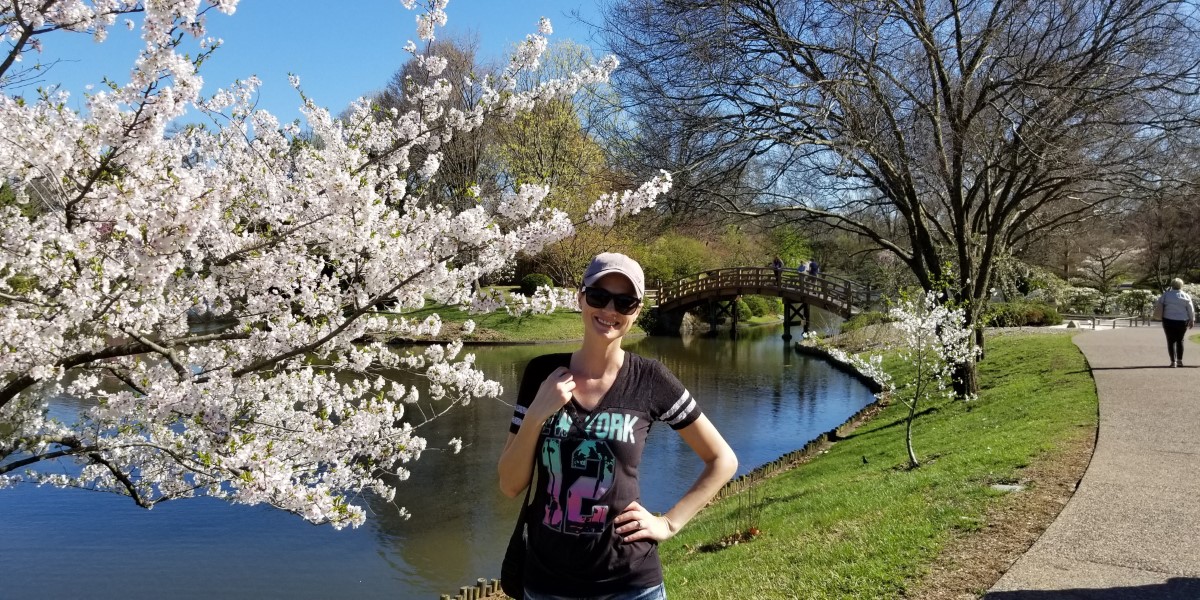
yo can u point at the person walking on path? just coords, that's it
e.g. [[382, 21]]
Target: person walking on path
[[1178, 316], [581, 422]]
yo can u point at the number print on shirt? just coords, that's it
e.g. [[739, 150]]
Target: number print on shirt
[[595, 459], [593, 466], [551, 450]]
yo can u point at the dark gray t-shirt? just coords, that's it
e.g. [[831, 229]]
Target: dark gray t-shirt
[[587, 473]]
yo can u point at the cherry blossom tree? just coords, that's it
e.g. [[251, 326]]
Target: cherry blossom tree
[[118, 233], [934, 338]]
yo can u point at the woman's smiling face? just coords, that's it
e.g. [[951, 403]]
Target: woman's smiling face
[[607, 322]]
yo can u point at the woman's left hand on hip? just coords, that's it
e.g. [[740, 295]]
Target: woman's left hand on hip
[[636, 523]]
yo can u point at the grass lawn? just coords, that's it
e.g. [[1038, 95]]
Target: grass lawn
[[855, 522], [768, 319], [559, 326]]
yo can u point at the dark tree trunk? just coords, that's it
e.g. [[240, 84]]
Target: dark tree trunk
[[966, 379]]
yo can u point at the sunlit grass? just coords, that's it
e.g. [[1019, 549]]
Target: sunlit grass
[[856, 523], [499, 326]]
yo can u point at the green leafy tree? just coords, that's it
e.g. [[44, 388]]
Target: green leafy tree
[[673, 256], [552, 145], [790, 243]]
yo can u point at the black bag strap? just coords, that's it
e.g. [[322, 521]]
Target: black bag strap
[[525, 503]]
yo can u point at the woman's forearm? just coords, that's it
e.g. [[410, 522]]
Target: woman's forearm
[[716, 474], [515, 467]]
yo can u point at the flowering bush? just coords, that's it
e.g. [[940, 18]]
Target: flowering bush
[[1081, 300], [117, 231], [935, 340], [1193, 290], [871, 366], [1135, 302]]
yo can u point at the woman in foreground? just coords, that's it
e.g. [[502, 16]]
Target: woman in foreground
[[581, 420]]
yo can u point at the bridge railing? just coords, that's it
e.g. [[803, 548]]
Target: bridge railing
[[831, 288]]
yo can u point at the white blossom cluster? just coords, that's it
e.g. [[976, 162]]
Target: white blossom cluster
[[610, 206], [1193, 290], [935, 339], [871, 366], [122, 235], [71, 15], [545, 300]]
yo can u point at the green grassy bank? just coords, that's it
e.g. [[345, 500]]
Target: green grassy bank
[[500, 327], [854, 522]]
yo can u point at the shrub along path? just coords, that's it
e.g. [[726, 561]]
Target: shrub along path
[[1132, 530]]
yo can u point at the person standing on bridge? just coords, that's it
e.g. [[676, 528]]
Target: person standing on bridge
[[813, 268], [580, 423], [1178, 315], [777, 266]]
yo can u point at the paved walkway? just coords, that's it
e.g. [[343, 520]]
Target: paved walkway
[[1132, 529]]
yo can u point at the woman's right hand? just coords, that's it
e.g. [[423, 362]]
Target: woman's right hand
[[552, 395]]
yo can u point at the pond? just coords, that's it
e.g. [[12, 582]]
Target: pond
[[766, 399]]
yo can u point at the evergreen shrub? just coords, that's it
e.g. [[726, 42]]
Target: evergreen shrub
[[1021, 314], [531, 282], [758, 305], [743, 310]]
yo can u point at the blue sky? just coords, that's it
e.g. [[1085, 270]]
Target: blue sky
[[340, 50]]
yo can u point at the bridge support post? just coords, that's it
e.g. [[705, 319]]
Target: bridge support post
[[733, 314], [793, 314], [716, 311]]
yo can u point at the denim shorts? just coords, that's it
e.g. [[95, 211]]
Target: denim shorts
[[658, 592]]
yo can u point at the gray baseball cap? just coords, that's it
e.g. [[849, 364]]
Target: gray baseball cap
[[613, 262]]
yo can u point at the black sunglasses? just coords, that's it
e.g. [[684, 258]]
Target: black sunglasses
[[599, 297]]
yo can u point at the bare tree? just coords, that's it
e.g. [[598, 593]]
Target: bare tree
[[1170, 230], [463, 157], [1106, 263], [945, 132], [1165, 220]]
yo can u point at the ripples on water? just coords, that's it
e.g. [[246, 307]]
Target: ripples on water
[[764, 398]]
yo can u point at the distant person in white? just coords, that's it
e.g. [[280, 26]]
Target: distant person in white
[[1178, 316]]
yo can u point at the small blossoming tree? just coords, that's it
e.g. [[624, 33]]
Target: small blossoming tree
[[935, 338], [116, 231]]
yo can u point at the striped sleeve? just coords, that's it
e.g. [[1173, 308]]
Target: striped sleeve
[[517, 419], [683, 412], [678, 408]]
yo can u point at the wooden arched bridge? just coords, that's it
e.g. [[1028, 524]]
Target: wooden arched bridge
[[799, 292]]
